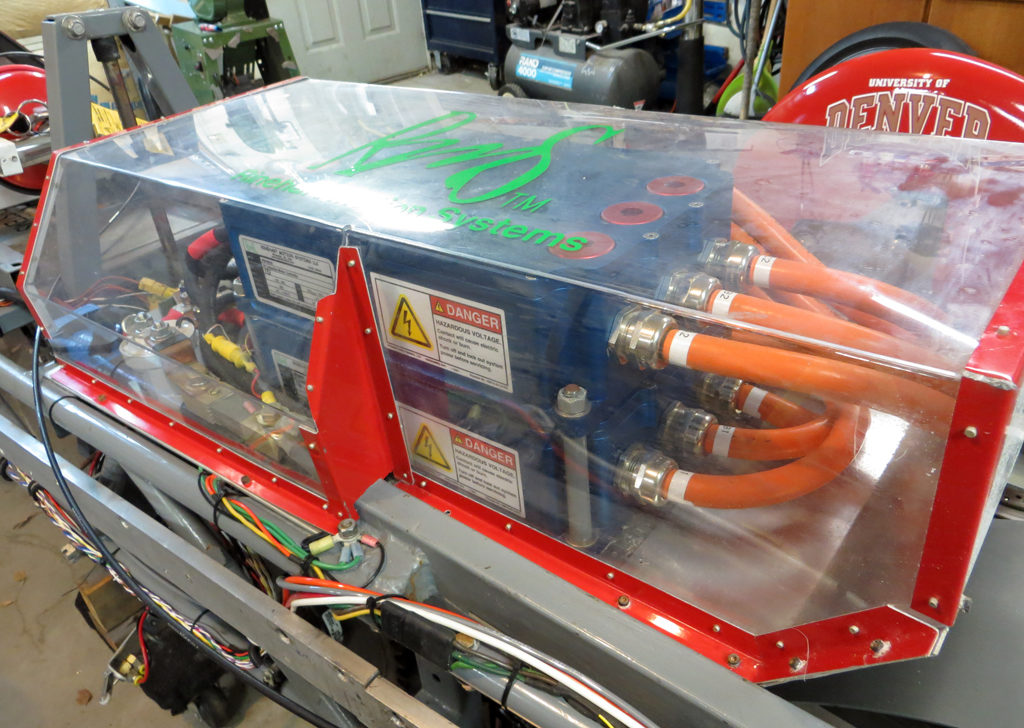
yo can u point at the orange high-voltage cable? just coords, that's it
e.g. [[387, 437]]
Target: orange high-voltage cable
[[777, 485], [793, 299], [771, 408], [750, 443], [865, 294], [768, 231], [829, 328], [813, 375]]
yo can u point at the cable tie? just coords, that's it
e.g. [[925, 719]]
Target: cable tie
[[195, 622], [517, 665]]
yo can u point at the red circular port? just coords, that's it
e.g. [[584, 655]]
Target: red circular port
[[631, 213], [675, 186], [597, 244]]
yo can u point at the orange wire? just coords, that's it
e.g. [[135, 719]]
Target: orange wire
[[783, 443], [859, 292], [775, 410], [817, 376], [263, 529], [785, 483], [828, 328]]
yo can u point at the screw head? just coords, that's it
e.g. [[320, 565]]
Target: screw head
[[854, 629], [933, 602], [878, 646], [733, 659], [796, 664], [1003, 331], [319, 319], [696, 203], [508, 526], [391, 415], [367, 331], [135, 19], [651, 236], [610, 574], [351, 264], [780, 644], [716, 628], [73, 27], [623, 601], [971, 431], [309, 387]]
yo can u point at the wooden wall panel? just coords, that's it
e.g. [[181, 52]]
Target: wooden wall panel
[[994, 28], [814, 25]]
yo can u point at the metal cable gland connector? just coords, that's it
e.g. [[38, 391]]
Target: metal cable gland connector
[[729, 260], [692, 290], [683, 430], [718, 393], [637, 335], [642, 472]]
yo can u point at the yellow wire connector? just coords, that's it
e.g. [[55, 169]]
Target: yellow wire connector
[[227, 349], [156, 288]]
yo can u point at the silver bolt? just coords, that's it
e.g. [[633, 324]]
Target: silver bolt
[[933, 602], [73, 26], [1003, 331], [716, 628], [572, 401], [623, 601], [878, 646], [854, 629], [319, 319], [391, 415], [347, 529], [312, 446], [351, 264], [367, 331], [651, 236], [309, 387], [611, 574], [971, 431], [780, 644], [796, 664], [696, 203], [324, 506], [733, 659], [508, 526], [134, 19]]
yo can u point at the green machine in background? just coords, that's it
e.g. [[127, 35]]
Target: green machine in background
[[221, 50]]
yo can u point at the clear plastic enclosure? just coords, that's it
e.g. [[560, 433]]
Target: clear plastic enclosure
[[720, 357]]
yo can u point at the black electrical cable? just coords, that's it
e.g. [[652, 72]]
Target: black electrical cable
[[128, 579], [380, 566]]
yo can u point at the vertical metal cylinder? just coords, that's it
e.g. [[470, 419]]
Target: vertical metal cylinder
[[572, 404]]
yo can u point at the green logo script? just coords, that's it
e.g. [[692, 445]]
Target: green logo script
[[420, 141]]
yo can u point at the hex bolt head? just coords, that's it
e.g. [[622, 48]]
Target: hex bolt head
[[572, 401], [73, 27], [134, 19], [796, 664], [348, 529]]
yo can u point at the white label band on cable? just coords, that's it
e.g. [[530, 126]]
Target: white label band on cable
[[762, 270], [679, 349], [723, 439], [676, 492], [722, 303], [10, 162], [752, 405]]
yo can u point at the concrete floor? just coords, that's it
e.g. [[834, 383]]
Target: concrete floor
[[48, 654]]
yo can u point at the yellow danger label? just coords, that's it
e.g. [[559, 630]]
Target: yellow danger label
[[406, 326], [426, 448]]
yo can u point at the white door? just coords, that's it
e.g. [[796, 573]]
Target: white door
[[354, 40]]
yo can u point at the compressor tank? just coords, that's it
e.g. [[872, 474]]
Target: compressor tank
[[620, 77]]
